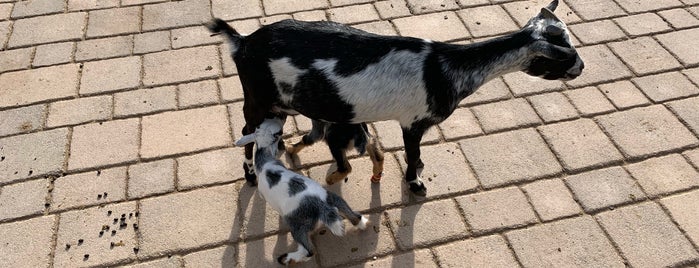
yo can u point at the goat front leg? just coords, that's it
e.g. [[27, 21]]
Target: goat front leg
[[343, 166], [411, 139], [248, 166], [317, 133]]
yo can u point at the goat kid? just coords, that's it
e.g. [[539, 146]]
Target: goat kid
[[338, 74], [340, 137], [304, 204]]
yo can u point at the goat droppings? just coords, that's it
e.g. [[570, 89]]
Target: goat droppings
[[80, 242], [87, 256]]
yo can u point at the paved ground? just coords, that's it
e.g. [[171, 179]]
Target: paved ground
[[117, 120]]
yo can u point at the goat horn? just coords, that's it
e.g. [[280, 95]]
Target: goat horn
[[554, 30], [553, 52]]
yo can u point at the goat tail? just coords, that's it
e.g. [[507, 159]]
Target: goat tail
[[217, 26]]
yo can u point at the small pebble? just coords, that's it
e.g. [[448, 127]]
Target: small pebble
[[105, 194], [113, 232], [109, 213], [67, 246], [80, 242], [111, 245], [130, 215], [123, 216], [135, 250], [101, 233], [99, 196], [87, 256]]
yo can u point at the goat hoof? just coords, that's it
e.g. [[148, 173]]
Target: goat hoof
[[376, 178], [251, 179], [418, 189], [282, 259]]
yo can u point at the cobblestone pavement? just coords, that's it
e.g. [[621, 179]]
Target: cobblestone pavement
[[117, 122]]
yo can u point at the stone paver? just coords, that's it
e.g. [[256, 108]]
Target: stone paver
[[664, 175], [510, 157], [551, 199], [604, 188], [130, 106], [645, 131], [101, 144], [580, 144], [496, 209], [663, 244], [32, 155], [27, 242], [573, 242], [184, 131], [183, 214]]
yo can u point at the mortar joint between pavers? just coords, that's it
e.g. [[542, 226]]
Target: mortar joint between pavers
[[54, 240], [511, 249], [677, 224], [462, 214], [531, 204], [614, 243]]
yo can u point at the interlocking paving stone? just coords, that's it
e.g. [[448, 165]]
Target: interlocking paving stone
[[137, 2], [646, 131], [642, 24], [353, 14], [693, 74], [641, 6], [692, 156], [348, 2], [460, 124], [51, 54], [175, 14], [663, 244], [580, 144], [89, 188], [604, 188], [682, 43], [227, 63], [553, 107], [523, 84], [32, 155], [285, 6], [597, 31], [104, 143], [4, 32], [27, 243], [522, 11], [144, 101], [151, 42], [624, 94], [192, 36], [313, 15], [489, 251], [21, 120], [22, 199], [378, 27], [80, 110], [596, 9], [151, 178], [509, 114], [600, 66], [184, 131], [275, 18], [5, 10], [231, 88], [15, 59], [37, 7], [183, 214], [551, 199], [356, 244], [91, 4], [423, 26], [48, 29], [496, 209], [217, 257], [197, 93], [421, 6], [390, 137], [644, 55], [167, 67], [577, 242], [259, 219], [665, 174], [487, 21], [110, 75], [264, 252], [169, 262], [683, 210], [114, 21], [468, 3], [392, 8], [230, 10], [20, 88], [81, 230], [450, 174], [686, 110], [419, 258], [679, 18], [510, 157], [589, 101], [104, 48], [494, 90], [209, 167], [360, 193]]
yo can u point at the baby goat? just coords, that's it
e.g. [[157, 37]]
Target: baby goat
[[340, 137], [338, 74], [303, 203]]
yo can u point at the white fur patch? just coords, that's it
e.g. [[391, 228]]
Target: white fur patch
[[285, 72], [392, 88], [362, 223], [278, 196]]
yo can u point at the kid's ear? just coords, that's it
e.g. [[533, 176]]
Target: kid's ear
[[245, 140]]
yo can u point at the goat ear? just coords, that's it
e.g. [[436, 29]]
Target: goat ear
[[245, 140], [553, 52], [548, 14], [552, 6]]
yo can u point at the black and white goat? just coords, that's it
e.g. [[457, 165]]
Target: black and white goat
[[303, 203], [334, 73], [340, 137]]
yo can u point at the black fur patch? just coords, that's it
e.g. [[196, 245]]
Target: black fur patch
[[315, 95], [296, 185], [273, 177]]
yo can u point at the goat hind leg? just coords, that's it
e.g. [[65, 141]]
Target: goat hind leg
[[376, 156], [248, 167], [343, 166], [304, 250], [317, 133]]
